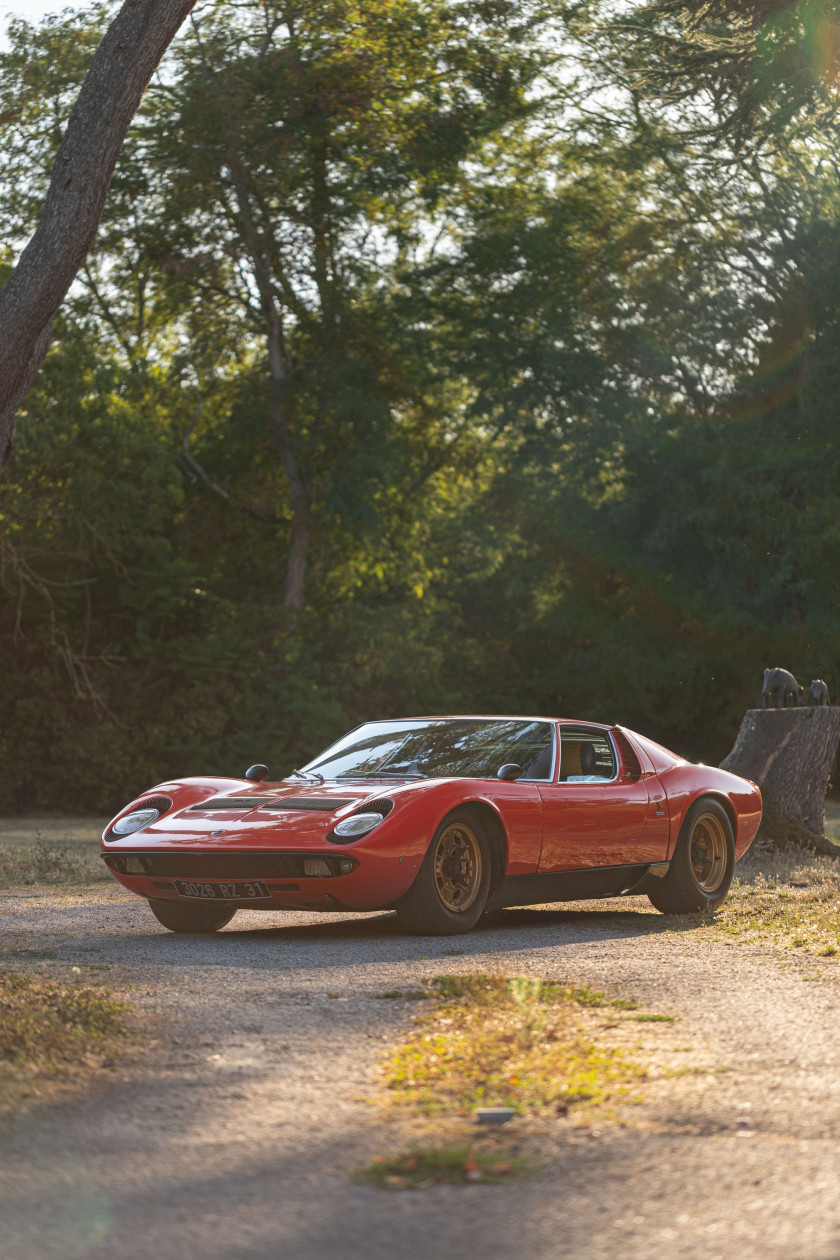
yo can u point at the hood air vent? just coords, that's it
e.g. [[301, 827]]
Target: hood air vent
[[327, 804], [234, 802]]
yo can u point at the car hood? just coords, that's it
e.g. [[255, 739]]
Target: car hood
[[260, 815]]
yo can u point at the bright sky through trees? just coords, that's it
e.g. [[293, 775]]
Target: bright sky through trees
[[30, 10], [580, 458]]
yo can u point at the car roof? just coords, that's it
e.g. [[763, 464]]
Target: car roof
[[487, 717]]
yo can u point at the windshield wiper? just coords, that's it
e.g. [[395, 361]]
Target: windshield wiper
[[310, 776]]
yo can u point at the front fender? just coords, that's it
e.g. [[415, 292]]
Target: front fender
[[394, 851]]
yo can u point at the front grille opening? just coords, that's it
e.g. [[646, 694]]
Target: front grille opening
[[233, 866]]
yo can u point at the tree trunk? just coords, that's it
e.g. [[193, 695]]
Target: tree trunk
[[293, 587], [120, 72], [788, 753]]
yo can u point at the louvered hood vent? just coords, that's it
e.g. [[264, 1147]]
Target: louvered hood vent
[[325, 804], [234, 802]]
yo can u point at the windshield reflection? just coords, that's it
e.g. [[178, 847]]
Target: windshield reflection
[[439, 748]]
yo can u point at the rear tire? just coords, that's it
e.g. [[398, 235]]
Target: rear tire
[[188, 918], [453, 884], [703, 863]]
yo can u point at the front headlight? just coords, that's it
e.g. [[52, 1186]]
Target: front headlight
[[135, 821], [358, 824]]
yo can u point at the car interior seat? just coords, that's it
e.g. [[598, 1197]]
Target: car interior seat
[[588, 760]]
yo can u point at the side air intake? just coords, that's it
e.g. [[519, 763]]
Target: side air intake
[[630, 766]]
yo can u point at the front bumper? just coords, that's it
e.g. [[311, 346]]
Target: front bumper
[[358, 880]]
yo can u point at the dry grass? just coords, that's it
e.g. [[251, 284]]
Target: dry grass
[[551, 1053], [50, 862], [50, 850], [48, 1028], [789, 898], [494, 1041]]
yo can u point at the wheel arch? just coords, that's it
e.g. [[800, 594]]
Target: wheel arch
[[496, 835], [720, 799]]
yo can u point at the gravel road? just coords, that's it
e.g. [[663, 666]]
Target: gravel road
[[233, 1135]]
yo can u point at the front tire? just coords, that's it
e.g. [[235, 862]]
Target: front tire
[[453, 884], [703, 863], [179, 917]]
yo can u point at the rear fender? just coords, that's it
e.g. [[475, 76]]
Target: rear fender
[[740, 798]]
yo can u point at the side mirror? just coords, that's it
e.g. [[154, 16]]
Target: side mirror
[[510, 771], [257, 773]]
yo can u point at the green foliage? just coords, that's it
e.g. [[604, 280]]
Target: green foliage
[[50, 1025], [505, 1041], [550, 366]]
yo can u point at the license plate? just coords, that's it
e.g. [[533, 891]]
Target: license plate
[[242, 890]]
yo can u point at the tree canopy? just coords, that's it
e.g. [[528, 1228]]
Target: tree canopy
[[431, 357]]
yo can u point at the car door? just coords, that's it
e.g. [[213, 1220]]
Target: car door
[[596, 812]]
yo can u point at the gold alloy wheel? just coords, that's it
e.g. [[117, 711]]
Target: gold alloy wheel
[[458, 867], [708, 853]]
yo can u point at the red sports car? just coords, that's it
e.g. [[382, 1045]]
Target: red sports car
[[440, 819]]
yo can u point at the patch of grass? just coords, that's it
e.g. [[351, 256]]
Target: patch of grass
[[789, 898], [48, 862], [654, 1019], [452, 1165], [511, 1042], [48, 1027]]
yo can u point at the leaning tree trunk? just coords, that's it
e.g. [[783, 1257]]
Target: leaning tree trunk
[[118, 76], [788, 753]]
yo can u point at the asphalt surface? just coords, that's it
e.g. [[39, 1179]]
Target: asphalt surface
[[234, 1133]]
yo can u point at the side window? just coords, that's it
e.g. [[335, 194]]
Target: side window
[[586, 756], [537, 756]]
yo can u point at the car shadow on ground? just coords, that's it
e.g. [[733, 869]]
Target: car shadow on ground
[[371, 939], [577, 923]]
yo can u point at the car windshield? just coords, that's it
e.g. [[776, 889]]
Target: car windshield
[[439, 748]]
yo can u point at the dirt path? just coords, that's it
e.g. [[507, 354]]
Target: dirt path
[[234, 1140]]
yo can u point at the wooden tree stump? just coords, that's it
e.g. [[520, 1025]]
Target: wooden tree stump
[[788, 753]]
